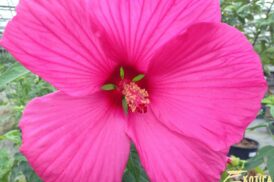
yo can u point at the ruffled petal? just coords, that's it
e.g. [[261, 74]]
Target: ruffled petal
[[74, 139], [169, 156], [135, 29], [207, 84], [56, 40]]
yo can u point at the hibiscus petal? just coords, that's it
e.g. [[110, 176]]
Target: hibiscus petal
[[75, 139], [207, 84], [55, 39], [135, 29], [169, 156]]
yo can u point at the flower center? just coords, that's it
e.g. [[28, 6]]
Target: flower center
[[134, 98]]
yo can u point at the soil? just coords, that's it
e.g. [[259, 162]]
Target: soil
[[246, 144]]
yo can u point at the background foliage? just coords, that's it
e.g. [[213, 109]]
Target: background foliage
[[255, 18]]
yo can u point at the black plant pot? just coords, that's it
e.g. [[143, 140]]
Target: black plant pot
[[246, 149]]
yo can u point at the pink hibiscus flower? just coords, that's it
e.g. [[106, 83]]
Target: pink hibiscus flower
[[190, 88]]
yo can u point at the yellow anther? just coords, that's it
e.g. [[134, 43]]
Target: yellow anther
[[136, 97]]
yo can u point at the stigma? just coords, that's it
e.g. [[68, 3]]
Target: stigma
[[137, 99]]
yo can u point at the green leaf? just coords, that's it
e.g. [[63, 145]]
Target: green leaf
[[122, 73], [23, 170], [254, 162], [272, 111], [243, 8], [263, 153], [270, 166], [259, 170], [6, 163], [20, 178], [134, 171], [270, 50], [108, 87], [14, 72], [13, 136], [128, 177], [264, 125], [138, 77], [269, 100]]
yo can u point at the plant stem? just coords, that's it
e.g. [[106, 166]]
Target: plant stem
[[260, 30]]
